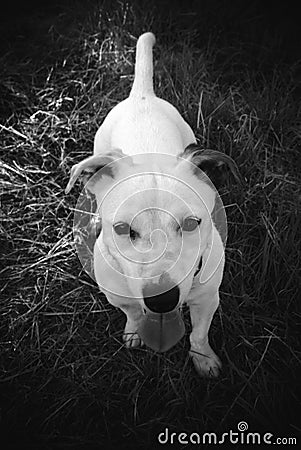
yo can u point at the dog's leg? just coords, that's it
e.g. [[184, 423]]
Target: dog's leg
[[202, 308], [134, 314]]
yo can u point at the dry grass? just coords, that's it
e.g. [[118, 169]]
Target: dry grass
[[67, 380]]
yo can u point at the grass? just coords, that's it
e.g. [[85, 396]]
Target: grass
[[67, 381]]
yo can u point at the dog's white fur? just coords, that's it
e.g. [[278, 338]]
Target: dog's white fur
[[135, 130]]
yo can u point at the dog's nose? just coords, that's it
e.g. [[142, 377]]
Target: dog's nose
[[162, 297]]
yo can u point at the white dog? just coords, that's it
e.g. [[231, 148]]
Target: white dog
[[158, 246]]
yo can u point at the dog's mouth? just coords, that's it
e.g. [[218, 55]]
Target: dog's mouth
[[162, 325], [161, 331]]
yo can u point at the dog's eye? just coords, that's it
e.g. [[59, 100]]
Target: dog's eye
[[190, 223], [122, 228], [133, 234]]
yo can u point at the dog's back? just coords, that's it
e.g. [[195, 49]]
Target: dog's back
[[144, 123]]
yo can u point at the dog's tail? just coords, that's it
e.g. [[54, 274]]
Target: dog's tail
[[143, 82]]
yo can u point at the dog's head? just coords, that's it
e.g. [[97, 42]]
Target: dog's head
[[156, 216]]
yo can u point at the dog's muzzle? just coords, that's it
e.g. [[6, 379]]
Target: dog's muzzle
[[161, 298], [162, 325]]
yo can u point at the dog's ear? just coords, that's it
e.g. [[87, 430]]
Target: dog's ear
[[89, 166], [212, 162]]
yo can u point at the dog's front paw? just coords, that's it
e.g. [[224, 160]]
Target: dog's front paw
[[206, 363], [131, 337], [132, 340]]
